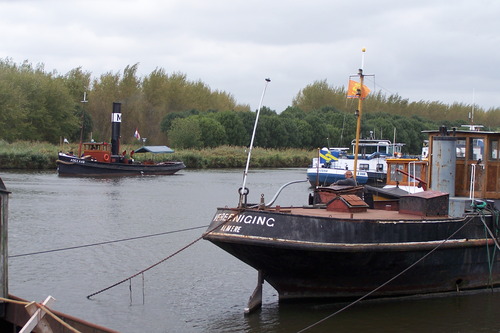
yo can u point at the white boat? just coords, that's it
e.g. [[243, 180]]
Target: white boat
[[331, 163]]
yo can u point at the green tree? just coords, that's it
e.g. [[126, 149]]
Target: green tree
[[13, 103], [213, 133], [105, 91], [186, 133], [306, 133], [247, 119], [318, 95], [291, 128], [131, 97], [78, 82], [233, 127], [167, 121], [320, 133]]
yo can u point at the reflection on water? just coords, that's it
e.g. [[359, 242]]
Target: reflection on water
[[202, 289]]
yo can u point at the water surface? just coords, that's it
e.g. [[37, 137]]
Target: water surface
[[202, 289]]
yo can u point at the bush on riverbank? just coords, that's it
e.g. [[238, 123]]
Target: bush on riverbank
[[42, 156], [27, 155], [236, 157]]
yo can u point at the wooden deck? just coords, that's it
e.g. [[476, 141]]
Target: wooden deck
[[370, 214]]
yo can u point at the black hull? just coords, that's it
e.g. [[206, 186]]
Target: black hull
[[325, 257], [73, 166]]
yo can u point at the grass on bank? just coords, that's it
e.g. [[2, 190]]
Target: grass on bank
[[43, 156]]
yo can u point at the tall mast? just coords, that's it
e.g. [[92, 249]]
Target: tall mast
[[359, 112], [81, 125]]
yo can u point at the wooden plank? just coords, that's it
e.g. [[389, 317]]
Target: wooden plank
[[37, 319]]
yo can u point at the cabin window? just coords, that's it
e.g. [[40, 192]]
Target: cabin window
[[394, 149], [380, 167], [364, 166], [415, 169], [460, 148], [396, 176], [494, 149], [476, 148]]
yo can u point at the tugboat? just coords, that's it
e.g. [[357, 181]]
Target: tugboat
[[442, 240], [104, 159]]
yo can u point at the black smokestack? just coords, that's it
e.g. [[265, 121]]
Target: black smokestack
[[116, 120]]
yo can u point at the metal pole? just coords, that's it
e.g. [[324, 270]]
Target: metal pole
[[251, 143]]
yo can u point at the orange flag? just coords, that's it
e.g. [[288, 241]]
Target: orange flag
[[354, 90]]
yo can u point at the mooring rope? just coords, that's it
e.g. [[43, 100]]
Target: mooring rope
[[164, 259], [388, 281], [487, 230], [106, 242], [146, 269]]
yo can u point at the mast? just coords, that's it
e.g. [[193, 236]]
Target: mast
[[81, 125], [359, 112], [360, 94]]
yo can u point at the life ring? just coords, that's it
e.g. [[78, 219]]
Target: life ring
[[106, 157]]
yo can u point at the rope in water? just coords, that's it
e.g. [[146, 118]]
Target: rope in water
[[164, 259], [106, 242], [388, 281]]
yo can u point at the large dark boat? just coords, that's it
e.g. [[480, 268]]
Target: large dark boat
[[105, 159], [340, 246]]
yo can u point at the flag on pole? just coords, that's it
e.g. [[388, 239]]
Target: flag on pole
[[354, 90], [137, 135]]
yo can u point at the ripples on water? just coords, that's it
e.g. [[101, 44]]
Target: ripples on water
[[202, 289]]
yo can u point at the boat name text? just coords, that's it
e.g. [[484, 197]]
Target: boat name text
[[231, 228], [243, 218]]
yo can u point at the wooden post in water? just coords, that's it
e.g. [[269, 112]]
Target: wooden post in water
[[4, 205], [255, 301]]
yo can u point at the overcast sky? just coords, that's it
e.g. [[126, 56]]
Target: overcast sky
[[446, 50]]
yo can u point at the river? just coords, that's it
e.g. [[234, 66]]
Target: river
[[56, 222]]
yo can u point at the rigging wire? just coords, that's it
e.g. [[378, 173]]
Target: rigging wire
[[105, 242], [388, 281]]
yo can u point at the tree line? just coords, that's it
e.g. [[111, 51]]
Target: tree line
[[36, 105]]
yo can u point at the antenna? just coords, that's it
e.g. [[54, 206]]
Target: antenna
[[243, 190], [363, 50], [473, 106]]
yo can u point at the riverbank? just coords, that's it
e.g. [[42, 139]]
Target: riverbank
[[26, 155]]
